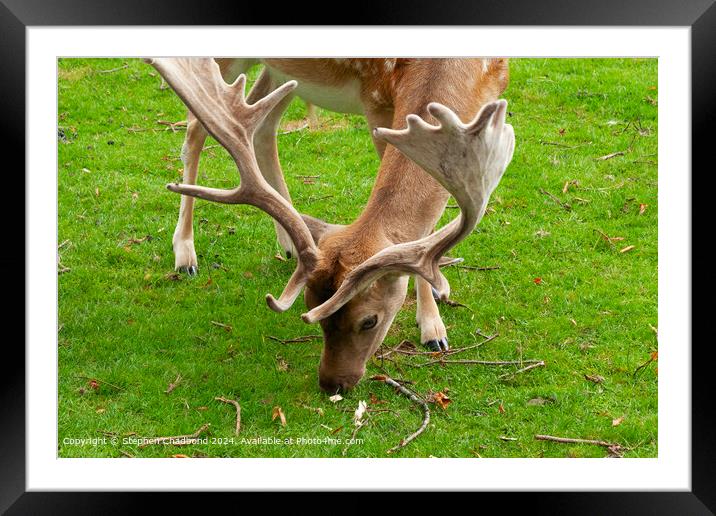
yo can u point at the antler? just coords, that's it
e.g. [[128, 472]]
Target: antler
[[468, 160], [223, 111]]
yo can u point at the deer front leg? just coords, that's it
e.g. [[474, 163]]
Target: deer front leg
[[183, 240], [433, 334], [265, 143]]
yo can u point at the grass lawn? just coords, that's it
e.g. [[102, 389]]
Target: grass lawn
[[573, 237]]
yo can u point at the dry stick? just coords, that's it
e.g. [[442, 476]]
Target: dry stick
[[114, 69], [471, 268], [613, 447], [532, 366], [101, 381], [478, 362], [238, 412], [414, 398], [567, 207], [304, 338], [353, 435], [222, 325], [557, 144], [610, 156], [451, 351], [184, 439]]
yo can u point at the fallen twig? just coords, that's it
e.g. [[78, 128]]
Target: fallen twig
[[353, 435], [471, 268], [238, 411], [614, 449], [415, 399], [222, 325], [566, 206], [610, 156], [477, 362], [303, 338], [101, 381], [173, 385], [111, 70], [455, 304], [566, 146], [180, 439], [531, 366], [652, 358]]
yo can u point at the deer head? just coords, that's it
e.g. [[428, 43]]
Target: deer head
[[355, 278]]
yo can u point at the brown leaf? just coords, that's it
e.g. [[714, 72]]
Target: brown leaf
[[627, 249], [617, 421], [281, 364], [439, 398], [180, 456], [94, 384], [173, 385], [278, 413], [501, 409], [642, 208], [594, 378]]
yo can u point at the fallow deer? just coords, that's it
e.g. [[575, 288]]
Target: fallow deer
[[355, 276]]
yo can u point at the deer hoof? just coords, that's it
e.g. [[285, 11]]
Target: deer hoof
[[437, 345], [191, 270]]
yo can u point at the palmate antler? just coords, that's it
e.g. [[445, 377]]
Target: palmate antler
[[468, 160], [223, 111]]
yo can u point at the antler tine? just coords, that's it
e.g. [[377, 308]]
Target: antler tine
[[223, 111], [468, 160]]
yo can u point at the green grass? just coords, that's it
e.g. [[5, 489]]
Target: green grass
[[126, 323]]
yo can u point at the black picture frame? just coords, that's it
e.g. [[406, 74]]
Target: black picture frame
[[17, 15]]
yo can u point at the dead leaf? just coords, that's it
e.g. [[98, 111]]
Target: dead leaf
[[281, 364], [278, 413], [439, 398], [537, 402], [627, 249], [538, 281], [642, 208], [505, 438], [617, 421], [173, 385], [501, 409], [359, 413], [180, 456], [336, 398], [594, 378], [375, 401], [94, 384]]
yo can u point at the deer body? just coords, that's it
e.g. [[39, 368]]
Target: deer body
[[345, 291]]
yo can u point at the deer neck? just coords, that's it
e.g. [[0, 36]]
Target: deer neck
[[406, 202]]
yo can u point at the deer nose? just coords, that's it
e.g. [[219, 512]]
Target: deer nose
[[334, 385]]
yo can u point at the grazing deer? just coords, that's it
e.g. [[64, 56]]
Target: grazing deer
[[355, 277]]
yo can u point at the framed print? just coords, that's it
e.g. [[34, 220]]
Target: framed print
[[472, 229]]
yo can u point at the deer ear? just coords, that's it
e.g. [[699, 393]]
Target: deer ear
[[319, 228], [483, 117]]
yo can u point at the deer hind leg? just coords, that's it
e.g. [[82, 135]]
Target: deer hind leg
[[183, 241], [265, 143], [433, 334]]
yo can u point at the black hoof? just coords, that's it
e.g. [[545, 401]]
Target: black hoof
[[437, 345], [192, 270], [436, 295]]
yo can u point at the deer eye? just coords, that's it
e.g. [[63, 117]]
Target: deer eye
[[369, 322]]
